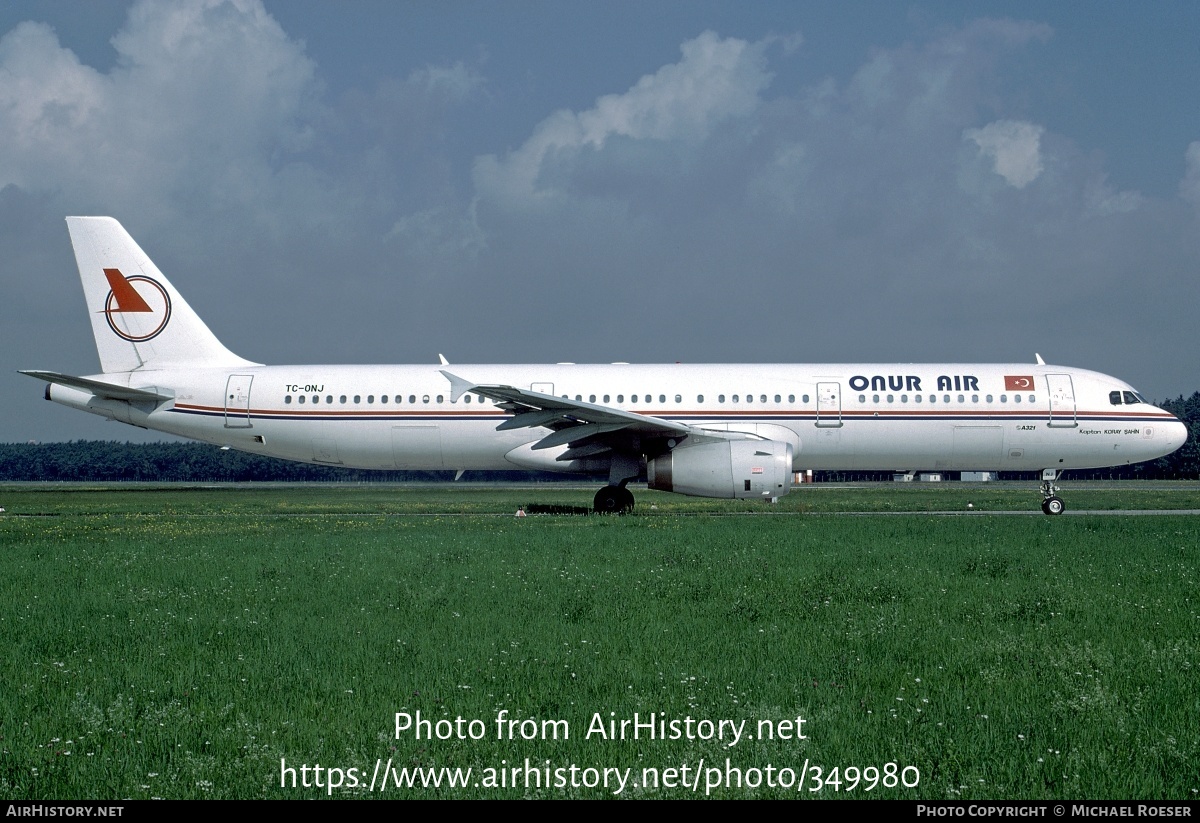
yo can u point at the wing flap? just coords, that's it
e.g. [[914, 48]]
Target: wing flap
[[577, 435]]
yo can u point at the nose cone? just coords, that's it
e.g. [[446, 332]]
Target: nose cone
[[1176, 435]]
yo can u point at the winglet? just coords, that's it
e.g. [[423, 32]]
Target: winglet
[[458, 386], [1040, 361], [442, 359]]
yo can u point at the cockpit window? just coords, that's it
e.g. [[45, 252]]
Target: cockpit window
[[1114, 397], [1130, 397]]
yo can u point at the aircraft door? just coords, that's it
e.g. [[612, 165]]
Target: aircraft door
[[1062, 400], [829, 405], [417, 446], [237, 401]]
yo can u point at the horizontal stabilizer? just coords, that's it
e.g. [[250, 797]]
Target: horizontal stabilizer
[[102, 389]]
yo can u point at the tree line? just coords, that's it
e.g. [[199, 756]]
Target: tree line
[[102, 460]]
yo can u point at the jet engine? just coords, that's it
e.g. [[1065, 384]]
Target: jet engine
[[725, 469]]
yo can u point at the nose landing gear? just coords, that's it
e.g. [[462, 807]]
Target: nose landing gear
[[1051, 502]]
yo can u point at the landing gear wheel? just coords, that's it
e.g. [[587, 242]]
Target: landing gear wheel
[[1053, 505], [613, 500], [626, 501], [1051, 502]]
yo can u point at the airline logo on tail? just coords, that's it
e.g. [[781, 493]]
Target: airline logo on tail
[[137, 308]]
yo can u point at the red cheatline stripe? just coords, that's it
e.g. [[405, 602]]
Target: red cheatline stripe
[[1037, 415], [128, 300]]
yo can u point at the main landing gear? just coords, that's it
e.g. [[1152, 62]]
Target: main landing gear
[[613, 500], [1051, 502]]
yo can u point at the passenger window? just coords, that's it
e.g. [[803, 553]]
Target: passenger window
[[791, 398], [316, 398], [329, 398], [679, 398], [342, 399], [287, 399], [891, 398], [916, 398], [606, 398], [1032, 398], [762, 398], [904, 398], [862, 398], [358, 398], [383, 398], [591, 398], [370, 398], [777, 398], [945, 398], [1016, 398], [720, 398], [440, 398], [620, 398], [647, 398], [467, 399], [424, 399], [300, 399], [974, 398], [662, 398], [874, 398], [1004, 398], [633, 398], [412, 398], [989, 398], [933, 398], [699, 398], [962, 399], [1114, 397], [735, 398]]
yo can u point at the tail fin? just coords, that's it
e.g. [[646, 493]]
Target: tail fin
[[138, 319]]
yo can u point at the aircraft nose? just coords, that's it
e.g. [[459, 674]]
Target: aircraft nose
[[1177, 434]]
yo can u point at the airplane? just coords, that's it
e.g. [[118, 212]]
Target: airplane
[[717, 431]]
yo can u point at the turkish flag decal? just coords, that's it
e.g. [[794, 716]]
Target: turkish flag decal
[[1018, 382]]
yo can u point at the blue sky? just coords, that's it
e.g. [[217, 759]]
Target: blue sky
[[544, 181]]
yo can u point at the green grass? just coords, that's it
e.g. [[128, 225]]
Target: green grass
[[482, 498], [183, 655]]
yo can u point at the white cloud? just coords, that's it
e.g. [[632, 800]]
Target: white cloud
[[1014, 147], [207, 97], [1189, 187], [714, 81], [458, 82]]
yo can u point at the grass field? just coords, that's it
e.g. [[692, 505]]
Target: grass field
[[182, 642]]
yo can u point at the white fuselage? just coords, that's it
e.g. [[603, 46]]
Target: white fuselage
[[1015, 417]]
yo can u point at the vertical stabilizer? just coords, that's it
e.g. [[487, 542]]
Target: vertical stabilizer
[[138, 319]]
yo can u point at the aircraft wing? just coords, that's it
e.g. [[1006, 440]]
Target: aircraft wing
[[100, 388], [586, 428]]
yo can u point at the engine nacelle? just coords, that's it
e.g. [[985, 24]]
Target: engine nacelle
[[725, 468]]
